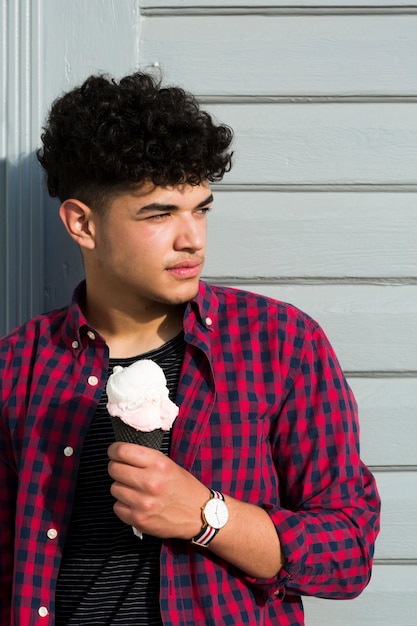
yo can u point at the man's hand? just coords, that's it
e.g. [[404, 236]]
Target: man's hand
[[153, 493], [160, 498]]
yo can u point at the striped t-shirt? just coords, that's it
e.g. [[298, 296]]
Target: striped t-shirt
[[108, 576]]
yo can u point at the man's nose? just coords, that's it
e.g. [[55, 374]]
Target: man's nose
[[191, 234]]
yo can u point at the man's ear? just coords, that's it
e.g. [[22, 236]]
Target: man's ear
[[78, 220]]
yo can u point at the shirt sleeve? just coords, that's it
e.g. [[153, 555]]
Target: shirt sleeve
[[8, 488], [329, 515]]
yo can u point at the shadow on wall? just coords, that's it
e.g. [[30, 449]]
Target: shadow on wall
[[39, 263], [62, 258]]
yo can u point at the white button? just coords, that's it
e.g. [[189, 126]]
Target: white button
[[93, 381], [75, 344], [52, 533], [43, 611], [91, 334], [68, 451], [209, 321]]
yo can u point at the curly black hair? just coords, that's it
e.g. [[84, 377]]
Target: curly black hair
[[106, 137]]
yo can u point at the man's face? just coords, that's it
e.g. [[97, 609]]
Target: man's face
[[150, 245]]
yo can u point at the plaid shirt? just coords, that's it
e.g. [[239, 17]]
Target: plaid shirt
[[265, 416]]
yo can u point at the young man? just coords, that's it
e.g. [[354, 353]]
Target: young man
[[258, 495]]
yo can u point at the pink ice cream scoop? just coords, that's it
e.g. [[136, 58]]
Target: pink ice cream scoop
[[138, 399]]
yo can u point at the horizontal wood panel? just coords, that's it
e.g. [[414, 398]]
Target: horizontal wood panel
[[171, 4], [387, 417], [285, 54], [297, 234], [398, 536], [371, 327], [389, 600], [80, 38], [329, 143]]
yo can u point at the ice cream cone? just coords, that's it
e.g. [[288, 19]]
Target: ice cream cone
[[139, 405], [124, 432], [138, 401]]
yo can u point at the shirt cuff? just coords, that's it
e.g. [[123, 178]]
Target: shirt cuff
[[294, 545]]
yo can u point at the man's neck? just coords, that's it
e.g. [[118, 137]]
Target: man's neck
[[132, 333]]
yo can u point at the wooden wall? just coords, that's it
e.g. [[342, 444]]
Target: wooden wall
[[320, 208]]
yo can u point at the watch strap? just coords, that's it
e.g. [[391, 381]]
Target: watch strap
[[207, 533]]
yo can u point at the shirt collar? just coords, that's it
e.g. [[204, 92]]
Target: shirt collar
[[76, 326], [203, 308]]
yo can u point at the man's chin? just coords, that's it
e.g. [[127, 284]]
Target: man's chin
[[180, 296]]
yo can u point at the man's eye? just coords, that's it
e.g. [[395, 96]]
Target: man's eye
[[158, 217], [205, 210]]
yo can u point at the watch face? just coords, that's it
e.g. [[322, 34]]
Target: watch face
[[216, 513]]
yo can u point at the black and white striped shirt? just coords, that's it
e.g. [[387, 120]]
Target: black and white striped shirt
[[109, 577]]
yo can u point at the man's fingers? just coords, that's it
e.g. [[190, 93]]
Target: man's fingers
[[133, 454]]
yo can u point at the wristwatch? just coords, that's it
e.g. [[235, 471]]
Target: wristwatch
[[214, 514]]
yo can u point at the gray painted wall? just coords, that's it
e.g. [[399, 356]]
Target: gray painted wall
[[320, 208]]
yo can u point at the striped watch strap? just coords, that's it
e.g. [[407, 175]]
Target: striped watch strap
[[207, 533]]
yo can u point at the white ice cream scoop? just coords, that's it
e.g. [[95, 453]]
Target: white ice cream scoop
[[138, 395]]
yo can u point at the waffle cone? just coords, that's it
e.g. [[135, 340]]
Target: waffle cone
[[124, 432]]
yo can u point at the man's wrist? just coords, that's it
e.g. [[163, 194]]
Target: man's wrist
[[214, 514]]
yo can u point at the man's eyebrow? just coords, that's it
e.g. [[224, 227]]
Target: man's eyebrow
[[206, 201], [159, 206]]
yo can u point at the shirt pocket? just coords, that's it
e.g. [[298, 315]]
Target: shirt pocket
[[235, 452]]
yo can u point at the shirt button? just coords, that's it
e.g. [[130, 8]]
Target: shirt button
[[52, 533], [93, 381], [209, 321], [75, 344], [68, 451], [91, 335], [43, 611]]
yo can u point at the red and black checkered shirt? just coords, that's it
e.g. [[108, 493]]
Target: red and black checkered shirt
[[265, 415]]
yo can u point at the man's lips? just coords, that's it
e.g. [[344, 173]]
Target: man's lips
[[187, 268], [186, 263]]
